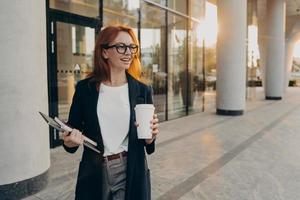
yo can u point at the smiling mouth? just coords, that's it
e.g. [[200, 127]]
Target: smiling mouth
[[126, 60]]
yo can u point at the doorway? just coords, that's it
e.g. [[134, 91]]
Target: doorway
[[71, 40]]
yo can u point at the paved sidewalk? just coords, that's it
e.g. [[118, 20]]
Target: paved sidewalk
[[209, 157]]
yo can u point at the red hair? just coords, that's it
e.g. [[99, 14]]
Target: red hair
[[101, 71]]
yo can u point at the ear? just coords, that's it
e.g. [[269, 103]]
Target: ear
[[105, 54]]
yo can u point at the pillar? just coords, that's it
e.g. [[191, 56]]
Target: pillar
[[231, 57], [24, 136], [289, 49], [275, 55]]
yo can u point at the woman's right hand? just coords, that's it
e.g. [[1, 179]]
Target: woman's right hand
[[73, 139]]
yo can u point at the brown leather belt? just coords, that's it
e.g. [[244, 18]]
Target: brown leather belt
[[115, 156]]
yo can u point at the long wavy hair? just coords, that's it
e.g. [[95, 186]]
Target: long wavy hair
[[101, 71]]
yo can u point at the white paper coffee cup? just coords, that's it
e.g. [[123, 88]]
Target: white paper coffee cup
[[144, 114]]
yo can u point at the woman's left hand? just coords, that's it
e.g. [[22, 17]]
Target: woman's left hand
[[154, 126]]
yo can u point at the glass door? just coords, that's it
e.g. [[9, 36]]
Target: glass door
[[71, 59], [75, 45]]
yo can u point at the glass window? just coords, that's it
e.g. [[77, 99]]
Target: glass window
[[197, 8], [177, 66], [211, 30], [178, 5], [294, 79], [161, 2], [210, 76], [88, 8], [121, 12], [196, 78], [153, 48], [75, 45]]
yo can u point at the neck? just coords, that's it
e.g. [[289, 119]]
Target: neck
[[117, 77]]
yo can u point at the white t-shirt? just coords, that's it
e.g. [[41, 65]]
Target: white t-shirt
[[113, 110]]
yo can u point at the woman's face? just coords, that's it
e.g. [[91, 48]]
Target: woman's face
[[119, 54]]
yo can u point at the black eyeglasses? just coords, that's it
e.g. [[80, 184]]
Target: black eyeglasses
[[122, 48]]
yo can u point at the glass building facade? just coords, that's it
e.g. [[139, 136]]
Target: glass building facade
[[176, 61]]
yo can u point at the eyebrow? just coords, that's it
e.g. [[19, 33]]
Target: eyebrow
[[124, 43]]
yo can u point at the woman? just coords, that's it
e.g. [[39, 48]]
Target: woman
[[103, 110]]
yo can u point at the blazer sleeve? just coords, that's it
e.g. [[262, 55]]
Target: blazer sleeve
[[150, 148], [75, 114]]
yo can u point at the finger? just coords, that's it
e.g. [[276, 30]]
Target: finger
[[76, 132], [73, 137], [149, 141], [154, 136], [155, 132], [154, 121], [154, 116], [154, 126], [68, 137], [82, 139], [136, 124], [78, 137], [65, 134]]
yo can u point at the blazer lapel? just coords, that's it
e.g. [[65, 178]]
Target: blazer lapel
[[132, 135], [94, 116], [132, 87]]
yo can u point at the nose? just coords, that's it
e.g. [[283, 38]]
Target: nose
[[128, 54], [127, 51]]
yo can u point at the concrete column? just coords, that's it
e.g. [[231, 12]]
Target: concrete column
[[293, 36], [24, 137], [289, 49], [231, 57], [275, 55], [262, 35]]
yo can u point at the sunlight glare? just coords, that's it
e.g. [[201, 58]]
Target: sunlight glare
[[208, 28], [253, 50], [296, 52]]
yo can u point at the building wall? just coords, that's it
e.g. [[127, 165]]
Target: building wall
[[171, 50]]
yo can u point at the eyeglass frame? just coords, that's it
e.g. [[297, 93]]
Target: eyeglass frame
[[106, 46]]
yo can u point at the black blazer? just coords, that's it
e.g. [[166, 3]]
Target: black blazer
[[83, 116]]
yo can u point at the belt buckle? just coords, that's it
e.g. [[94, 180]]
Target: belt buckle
[[115, 156]]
